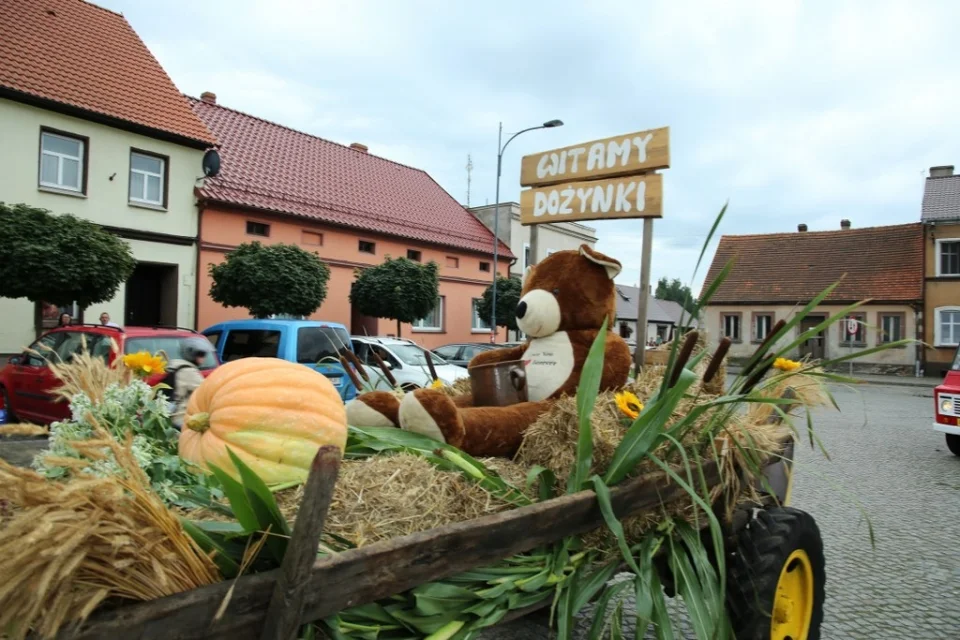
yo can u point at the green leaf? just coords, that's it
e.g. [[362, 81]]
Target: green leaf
[[688, 586], [265, 507], [237, 496], [594, 583], [600, 609], [606, 508], [229, 568], [565, 609], [644, 586], [587, 392]]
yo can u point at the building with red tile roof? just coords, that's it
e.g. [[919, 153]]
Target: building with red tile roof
[[774, 275], [91, 125], [353, 208]]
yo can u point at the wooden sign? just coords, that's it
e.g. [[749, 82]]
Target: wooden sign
[[638, 196], [617, 156]]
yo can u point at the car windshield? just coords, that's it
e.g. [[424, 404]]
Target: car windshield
[[413, 355], [169, 345], [315, 344]]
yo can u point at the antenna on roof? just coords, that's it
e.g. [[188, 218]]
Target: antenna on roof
[[469, 171]]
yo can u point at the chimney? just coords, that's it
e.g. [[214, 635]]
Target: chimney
[[844, 224], [943, 171], [801, 227], [209, 97], [359, 147]]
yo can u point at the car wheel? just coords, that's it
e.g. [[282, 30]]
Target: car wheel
[[409, 386], [953, 443], [5, 400]]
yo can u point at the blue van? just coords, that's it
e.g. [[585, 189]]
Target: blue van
[[305, 341]]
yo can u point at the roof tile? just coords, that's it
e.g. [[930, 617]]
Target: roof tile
[[271, 167], [941, 199], [879, 263], [84, 56]]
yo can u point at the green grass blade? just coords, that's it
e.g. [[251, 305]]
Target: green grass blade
[[599, 623], [228, 567], [688, 586], [592, 585], [587, 391], [265, 508]]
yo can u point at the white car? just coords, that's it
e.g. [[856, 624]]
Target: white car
[[406, 361]]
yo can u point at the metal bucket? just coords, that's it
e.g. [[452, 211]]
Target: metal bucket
[[498, 384]]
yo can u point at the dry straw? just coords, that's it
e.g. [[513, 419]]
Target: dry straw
[[89, 374], [23, 429], [66, 548]]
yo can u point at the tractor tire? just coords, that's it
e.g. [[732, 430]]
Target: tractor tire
[[953, 443], [776, 577]]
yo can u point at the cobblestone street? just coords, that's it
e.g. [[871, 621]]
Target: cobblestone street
[[885, 456]]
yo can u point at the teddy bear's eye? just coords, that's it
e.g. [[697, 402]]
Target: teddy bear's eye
[[556, 292]]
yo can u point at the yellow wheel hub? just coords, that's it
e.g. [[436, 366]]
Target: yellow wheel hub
[[793, 603]]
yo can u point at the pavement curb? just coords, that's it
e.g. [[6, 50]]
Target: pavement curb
[[891, 381]]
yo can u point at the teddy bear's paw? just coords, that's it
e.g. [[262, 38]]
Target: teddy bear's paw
[[374, 409], [432, 414]]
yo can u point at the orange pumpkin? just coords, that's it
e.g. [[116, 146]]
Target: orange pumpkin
[[271, 413]]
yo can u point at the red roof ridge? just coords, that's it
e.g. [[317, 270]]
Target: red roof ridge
[[783, 234], [302, 133]]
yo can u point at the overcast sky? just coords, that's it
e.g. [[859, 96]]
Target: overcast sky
[[794, 112]]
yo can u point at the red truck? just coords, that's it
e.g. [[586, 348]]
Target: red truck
[[946, 413]]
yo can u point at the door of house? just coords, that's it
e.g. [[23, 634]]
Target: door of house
[[814, 346], [151, 295]]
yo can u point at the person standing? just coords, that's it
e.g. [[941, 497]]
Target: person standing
[[65, 320], [105, 320], [184, 375]]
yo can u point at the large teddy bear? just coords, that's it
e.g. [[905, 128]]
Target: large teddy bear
[[564, 301]]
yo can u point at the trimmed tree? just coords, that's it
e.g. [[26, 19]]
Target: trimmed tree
[[508, 297], [59, 259], [675, 291], [279, 279], [399, 289]]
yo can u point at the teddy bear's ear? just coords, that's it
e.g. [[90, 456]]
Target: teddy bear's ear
[[612, 266], [526, 276]]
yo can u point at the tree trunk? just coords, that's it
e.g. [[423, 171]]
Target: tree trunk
[[398, 327]]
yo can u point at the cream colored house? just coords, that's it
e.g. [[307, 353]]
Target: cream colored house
[[92, 125], [775, 275], [940, 215], [552, 237]]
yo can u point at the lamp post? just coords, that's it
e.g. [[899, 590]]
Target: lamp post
[[549, 124]]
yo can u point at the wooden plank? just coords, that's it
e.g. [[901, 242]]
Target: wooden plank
[[616, 198], [622, 155], [286, 605], [359, 576]]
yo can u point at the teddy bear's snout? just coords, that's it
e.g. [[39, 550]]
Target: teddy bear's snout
[[521, 310], [538, 313]]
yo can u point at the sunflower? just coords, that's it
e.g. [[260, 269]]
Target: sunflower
[[629, 404], [437, 384], [144, 364], [786, 365]]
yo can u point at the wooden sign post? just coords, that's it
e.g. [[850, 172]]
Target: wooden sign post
[[605, 179]]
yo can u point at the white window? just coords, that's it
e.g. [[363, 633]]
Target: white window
[[731, 325], [948, 257], [61, 162], [891, 327], [478, 324], [146, 178], [433, 321], [947, 328], [762, 322]]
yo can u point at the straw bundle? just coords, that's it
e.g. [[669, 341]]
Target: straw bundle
[[89, 374], [388, 496], [65, 548], [23, 429]]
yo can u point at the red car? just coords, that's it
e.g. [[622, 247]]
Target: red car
[[946, 412], [26, 382]]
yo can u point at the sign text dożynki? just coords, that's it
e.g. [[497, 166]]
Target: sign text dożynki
[[622, 155], [631, 197]]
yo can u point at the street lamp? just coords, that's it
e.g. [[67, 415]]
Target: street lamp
[[549, 124]]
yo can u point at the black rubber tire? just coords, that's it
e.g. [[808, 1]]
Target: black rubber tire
[[953, 443], [409, 387], [11, 416], [762, 548]]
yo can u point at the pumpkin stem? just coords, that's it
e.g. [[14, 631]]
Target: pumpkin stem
[[199, 422]]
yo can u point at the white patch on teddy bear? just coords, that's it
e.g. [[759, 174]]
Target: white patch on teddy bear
[[549, 362]]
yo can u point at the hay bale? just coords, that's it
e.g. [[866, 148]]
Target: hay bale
[[388, 496]]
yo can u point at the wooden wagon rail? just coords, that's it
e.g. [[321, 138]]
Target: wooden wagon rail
[[368, 574]]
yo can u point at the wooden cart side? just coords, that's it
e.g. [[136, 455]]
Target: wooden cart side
[[359, 576]]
